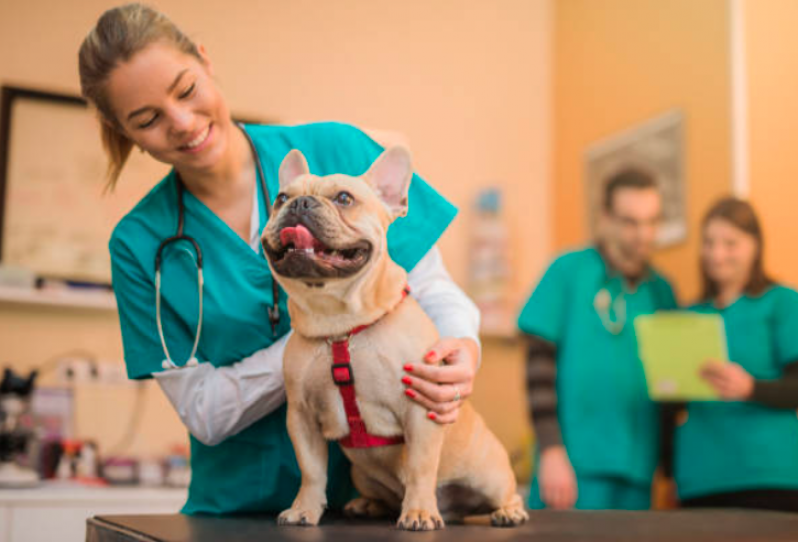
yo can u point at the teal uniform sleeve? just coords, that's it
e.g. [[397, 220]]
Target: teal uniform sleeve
[[429, 214], [544, 312], [786, 327], [135, 298]]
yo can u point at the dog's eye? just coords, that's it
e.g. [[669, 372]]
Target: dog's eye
[[344, 199], [280, 199]]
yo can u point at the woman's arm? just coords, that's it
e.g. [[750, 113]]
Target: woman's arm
[[450, 309], [215, 403], [781, 393], [733, 383], [446, 376]]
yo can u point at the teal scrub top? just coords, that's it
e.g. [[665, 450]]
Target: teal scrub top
[[735, 446], [254, 470], [609, 425]]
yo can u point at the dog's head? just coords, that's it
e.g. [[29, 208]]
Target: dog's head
[[334, 227]]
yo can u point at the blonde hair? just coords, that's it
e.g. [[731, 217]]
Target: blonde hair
[[119, 34]]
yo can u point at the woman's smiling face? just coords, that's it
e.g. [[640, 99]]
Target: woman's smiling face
[[168, 104]]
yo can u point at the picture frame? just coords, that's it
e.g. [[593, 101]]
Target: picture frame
[[657, 146]]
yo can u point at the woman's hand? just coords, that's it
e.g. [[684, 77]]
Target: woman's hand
[[556, 479], [730, 380], [445, 379]]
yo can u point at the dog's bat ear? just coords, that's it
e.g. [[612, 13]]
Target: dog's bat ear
[[390, 176], [294, 165]]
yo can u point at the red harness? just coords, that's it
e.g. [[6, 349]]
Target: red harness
[[344, 378]]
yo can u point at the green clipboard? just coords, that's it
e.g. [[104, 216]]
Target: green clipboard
[[673, 346]]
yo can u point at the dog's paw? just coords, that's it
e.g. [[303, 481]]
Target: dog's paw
[[420, 520], [362, 507], [300, 517], [510, 515]]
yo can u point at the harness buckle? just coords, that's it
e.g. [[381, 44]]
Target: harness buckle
[[342, 374]]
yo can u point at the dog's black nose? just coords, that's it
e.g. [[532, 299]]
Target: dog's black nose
[[303, 205]]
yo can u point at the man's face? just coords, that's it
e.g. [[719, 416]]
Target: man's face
[[632, 223]]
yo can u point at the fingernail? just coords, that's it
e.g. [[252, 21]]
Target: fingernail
[[410, 393], [406, 380], [408, 368], [432, 416], [430, 355]]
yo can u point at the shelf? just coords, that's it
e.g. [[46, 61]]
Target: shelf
[[56, 492], [81, 299]]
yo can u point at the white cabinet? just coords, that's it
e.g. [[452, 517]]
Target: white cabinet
[[58, 511]]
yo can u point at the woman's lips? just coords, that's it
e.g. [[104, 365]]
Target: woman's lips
[[200, 142]]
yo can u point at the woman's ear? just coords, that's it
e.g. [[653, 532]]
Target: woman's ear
[[206, 60], [111, 125]]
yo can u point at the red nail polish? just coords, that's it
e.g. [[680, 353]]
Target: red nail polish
[[408, 368], [430, 355], [406, 380], [431, 416], [410, 393]]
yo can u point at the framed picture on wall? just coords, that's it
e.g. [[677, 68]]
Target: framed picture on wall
[[657, 146]]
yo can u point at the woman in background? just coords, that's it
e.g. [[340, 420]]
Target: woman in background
[[743, 452]]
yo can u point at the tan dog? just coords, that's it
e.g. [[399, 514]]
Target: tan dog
[[326, 245]]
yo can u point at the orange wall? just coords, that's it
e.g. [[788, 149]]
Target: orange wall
[[620, 62], [771, 44]]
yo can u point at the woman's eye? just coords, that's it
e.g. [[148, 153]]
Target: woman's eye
[[280, 199], [188, 91], [149, 122], [344, 199]]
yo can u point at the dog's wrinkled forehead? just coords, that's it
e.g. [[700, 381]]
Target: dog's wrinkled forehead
[[386, 183], [329, 186]]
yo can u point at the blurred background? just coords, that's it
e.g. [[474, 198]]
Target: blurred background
[[504, 104]]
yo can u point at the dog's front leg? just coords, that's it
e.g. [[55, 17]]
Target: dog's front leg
[[423, 442], [311, 452]]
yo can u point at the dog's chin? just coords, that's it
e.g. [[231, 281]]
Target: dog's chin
[[318, 263]]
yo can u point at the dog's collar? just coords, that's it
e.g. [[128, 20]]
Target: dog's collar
[[344, 378], [358, 329]]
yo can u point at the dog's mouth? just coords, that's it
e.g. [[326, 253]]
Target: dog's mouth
[[301, 254]]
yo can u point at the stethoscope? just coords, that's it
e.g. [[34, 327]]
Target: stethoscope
[[273, 311], [603, 303]]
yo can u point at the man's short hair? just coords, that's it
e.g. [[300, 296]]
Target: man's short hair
[[630, 177]]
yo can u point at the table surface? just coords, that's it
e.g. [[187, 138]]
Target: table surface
[[616, 526]]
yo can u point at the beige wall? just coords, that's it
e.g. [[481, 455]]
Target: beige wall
[[466, 81], [622, 62], [772, 86]]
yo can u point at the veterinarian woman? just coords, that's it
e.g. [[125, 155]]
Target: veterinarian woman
[[154, 90], [743, 452]]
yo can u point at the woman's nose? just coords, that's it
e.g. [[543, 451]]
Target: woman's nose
[[182, 120]]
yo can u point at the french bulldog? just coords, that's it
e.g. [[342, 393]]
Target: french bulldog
[[326, 246]]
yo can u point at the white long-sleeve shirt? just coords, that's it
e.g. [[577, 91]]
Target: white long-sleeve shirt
[[215, 403]]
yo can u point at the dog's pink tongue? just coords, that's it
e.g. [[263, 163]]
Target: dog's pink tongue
[[299, 235]]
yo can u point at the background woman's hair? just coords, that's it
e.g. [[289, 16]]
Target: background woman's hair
[[741, 215], [119, 34]]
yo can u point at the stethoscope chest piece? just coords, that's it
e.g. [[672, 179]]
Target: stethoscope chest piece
[[603, 303]]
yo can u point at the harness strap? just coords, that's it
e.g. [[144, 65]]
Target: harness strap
[[344, 378]]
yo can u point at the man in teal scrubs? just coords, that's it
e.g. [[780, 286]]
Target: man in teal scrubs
[[255, 469], [597, 430]]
